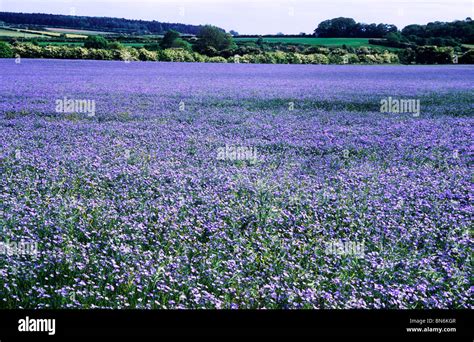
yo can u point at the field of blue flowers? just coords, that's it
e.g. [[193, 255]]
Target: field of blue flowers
[[183, 185]]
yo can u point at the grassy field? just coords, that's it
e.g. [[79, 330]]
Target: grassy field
[[46, 43], [353, 42], [80, 33], [45, 33], [328, 42], [17, 34], [61, 43], [55, 33]]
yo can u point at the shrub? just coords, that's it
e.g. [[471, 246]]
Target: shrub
[[295, 58], [267, 58], [78, 53], [434, 55], [368, 59], [350, 58], [211, 36], [389, 58], [407, 56], [153, 47], [27, 50], [336, 59], [115, 45], [338, 52], [322, 50], [145, 55], [248, 50], [95, 42], [245, 59], [198, 57], [127, 54], [51, 52], [217, 59], [228, 53], [101, 54], [209, 51], [5, 50], [280, 57], [467, 58], [168, 39], [181, 44], [317, 58], [363, 50], [175, 55]]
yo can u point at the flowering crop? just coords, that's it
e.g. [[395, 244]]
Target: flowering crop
[[345, 206]]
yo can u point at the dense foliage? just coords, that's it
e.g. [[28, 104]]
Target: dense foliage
[[168, 39], [95, 42], [348, 27], [437, 33], [212, 39], [96, 23], [5, 50], [319, 56]]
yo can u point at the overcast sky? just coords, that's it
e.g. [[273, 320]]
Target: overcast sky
[[257, 16]]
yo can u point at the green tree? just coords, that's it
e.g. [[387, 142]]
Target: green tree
[[407, 56], [115, 45], [96, 42], [434, 55], [168, 39], [5, 50], [467, 58], [215, 38], [337, 27], [181, 44]]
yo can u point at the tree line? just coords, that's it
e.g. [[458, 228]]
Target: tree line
[[435, 33], [114, 51], [349, 28], [116, 25]]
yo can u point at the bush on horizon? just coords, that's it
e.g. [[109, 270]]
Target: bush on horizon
[[5, 50]]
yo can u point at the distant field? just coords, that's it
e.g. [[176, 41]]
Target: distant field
[[150, 36], [80, 33], [16, 34], [46, 33], [13, 32], [139, 45], [49, 32], [330, 42], [61, 43], [52, 33]]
